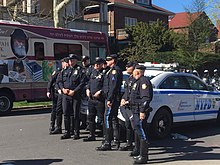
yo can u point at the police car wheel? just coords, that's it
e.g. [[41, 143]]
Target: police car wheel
[[161, 124], [6, 103]]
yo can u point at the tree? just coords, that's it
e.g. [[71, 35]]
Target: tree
[[147, 41], [58, 6], [214, 6], [200, 31]]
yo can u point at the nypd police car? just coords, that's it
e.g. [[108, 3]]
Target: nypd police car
[[180, 97]]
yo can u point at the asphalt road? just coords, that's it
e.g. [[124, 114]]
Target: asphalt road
[[24, 140]]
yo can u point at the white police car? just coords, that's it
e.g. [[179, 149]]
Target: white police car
[[180, 97]]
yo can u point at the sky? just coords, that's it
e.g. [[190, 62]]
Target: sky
[[175, 6]]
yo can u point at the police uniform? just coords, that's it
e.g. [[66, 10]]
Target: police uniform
[[54, 95], [87, 69], [111, 88], [95, 104], [59, 111], [140, 98], [72, 79], [126, 111]]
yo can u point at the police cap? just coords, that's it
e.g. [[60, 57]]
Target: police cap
[[111, 56], [140, 67], [131, 64], [84, 58], [65, 59], [99, 60], [73, 57]]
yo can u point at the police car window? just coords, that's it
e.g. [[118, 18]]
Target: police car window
[[195, 84], [175, 82]]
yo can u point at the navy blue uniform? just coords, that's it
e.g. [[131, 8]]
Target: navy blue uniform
[[111, 89], [72, 79], [140, 98], [95, 104], [127, 113], [51, 88]]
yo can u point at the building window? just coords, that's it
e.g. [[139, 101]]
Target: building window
[[95, 19], [145, 2], [130, 21]]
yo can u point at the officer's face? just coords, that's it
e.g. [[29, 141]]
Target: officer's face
[[98, 66], [72, 62], [110, 62], [129, 70], [137, 73]]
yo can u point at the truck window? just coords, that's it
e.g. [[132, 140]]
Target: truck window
[[39, 50]]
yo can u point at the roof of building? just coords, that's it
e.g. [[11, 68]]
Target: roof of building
[[184, 19], [140, 7]]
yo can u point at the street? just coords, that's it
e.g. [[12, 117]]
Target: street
[[24, 140]]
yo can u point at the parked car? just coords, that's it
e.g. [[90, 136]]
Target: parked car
[[180, 97]]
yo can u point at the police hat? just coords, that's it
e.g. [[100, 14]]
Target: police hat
[[84, 58], [65, 59], [140, 67], [73, 56], [131, 64], [111, 56], [99, 60]]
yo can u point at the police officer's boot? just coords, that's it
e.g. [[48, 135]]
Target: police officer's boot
[[136, 150], [76, 129], [106, 145], [58, 129], [128, 146], [52, 122], [67, 130], [143, 157], [72, 125], [91, 137]]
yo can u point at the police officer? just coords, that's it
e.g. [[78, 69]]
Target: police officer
[[72, 83], [206, 77], [53, 94], [125, 109], [87, 68], [111, 88], [139, 101], [96, 99], [59, 111]]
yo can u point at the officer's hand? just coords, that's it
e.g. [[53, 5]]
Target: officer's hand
[[65, 91], [109, 104], [59, 91], [87, 92], [122, 102], [142, 115], [48, 94], [71, 92], [97, 94]]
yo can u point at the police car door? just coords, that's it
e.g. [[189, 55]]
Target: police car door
[[179, 97], [206, 106]]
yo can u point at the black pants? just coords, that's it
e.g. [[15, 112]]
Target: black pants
[[111, 121], [54, 110], [59, 111], [95, 107], [71, 112], [127, 114]]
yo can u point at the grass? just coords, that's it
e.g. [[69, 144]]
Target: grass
[[25, 104]]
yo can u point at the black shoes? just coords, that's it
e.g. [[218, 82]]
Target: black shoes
[[126, 147], [140, 160], [134, 153], [65, 136], [56, 131], [89, 138], [104, 147], [115, 145], [51, 129], [76, 137]]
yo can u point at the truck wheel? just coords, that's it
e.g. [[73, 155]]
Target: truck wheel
[[161, 124], [6, 103]]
